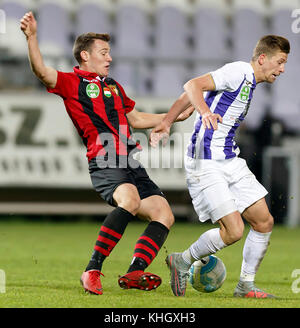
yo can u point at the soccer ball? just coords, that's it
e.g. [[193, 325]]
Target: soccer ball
[[208, 274]]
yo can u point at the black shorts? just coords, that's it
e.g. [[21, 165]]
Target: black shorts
[[106, 180]]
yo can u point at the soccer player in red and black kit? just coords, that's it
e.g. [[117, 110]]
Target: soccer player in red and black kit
[[102, 115]]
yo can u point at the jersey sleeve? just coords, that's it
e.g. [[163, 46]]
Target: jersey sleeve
[[228, 77], [128, 103], [63, 84]]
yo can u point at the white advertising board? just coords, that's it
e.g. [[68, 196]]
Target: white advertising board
[[39, 146]]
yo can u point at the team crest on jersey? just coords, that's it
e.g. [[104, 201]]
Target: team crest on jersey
[[92, 90], [114, 88], [107, 92]]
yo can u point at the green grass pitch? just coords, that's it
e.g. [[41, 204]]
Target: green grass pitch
[[43, 262]]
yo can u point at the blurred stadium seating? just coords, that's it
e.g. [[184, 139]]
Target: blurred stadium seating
[[157, 45], [151, 39]]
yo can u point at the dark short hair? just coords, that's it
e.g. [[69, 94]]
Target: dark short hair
[[85, 41], [270, 44]]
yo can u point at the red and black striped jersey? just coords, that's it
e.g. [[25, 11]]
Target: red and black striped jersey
[[98, 107]]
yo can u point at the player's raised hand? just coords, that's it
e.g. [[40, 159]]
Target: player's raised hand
[[210, 120], [160, 132], [28, 24]]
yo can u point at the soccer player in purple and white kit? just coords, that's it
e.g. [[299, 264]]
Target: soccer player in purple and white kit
[[222, 187]]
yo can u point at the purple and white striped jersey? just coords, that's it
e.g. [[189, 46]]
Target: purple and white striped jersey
[[235, 83]]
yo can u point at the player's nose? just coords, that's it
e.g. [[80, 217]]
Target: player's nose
[[282, 68]]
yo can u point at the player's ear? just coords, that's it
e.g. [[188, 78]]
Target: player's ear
[[84, 55], [262, 58]]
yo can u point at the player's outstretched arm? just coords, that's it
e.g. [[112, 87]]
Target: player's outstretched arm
[[194, 89], [141, 120], [47, 75], [180, 110]]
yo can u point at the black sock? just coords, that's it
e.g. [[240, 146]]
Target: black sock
[[148, 245], [110, 233]]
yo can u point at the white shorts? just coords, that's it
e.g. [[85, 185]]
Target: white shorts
[[221, 187]]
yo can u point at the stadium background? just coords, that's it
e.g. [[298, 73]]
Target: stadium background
[[156, 46]]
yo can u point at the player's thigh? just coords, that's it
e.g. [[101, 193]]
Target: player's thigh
[[156, 208], [259, 217], [212, 198], [126, 196], [246, 189], [116, 186]]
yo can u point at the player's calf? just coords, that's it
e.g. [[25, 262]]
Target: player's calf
[[231, 228]]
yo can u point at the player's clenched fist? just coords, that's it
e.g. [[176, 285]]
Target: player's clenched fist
[[28, 24]]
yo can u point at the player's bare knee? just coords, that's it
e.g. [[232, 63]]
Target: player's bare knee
[[270, 222], [169, 220], [235, 236], [231, 228], [232, 235], [239, 233], [131, 204], [165, 217], [265, 225]]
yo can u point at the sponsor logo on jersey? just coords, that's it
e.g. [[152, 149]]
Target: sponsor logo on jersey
[[93, 80], [244, 95], [92, 90]]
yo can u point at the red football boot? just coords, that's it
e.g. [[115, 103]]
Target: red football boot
[[139, 280], [91, 283]]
